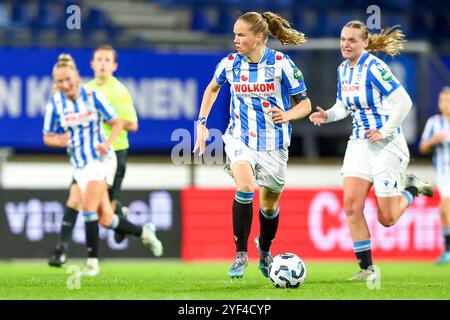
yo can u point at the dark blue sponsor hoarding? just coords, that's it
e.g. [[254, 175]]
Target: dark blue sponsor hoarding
[[167, 89]]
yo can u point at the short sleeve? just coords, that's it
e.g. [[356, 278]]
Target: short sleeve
[[103, 106], [221, 73], [292, 77], [52, 123], [428, 131], [381, 77], [127, 110]]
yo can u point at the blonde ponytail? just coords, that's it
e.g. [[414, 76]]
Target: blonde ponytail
[[390, 40], [281, 29], [271, 23]]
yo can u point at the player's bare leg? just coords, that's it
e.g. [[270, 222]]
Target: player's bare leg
[[355, 194]]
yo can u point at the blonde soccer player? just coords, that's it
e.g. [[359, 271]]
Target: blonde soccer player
[[436, 138], [104, 63], [377, 153], [74, 120], [262, 82]]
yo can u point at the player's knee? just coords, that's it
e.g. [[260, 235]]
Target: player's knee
[[352, 208], [386, 221]]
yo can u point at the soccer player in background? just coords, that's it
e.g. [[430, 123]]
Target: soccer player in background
[[436, 138], [262, 81], [377, 153], [74, 120], [104, 64]]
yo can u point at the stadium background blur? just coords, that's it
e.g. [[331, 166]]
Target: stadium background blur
[[167, 53]]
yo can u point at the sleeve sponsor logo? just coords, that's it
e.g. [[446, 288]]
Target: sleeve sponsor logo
[[298, 74]]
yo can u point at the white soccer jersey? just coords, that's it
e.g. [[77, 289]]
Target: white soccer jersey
[[255, 88], [363, 90], [441, 153], [83, 119]]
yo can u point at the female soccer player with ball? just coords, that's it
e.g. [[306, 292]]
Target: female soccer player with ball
[[262, 81], [436, 138], [74, 120], [377, 154]]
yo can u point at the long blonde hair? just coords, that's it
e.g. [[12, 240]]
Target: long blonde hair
[[390, 40], [269, 23], [65, 60]]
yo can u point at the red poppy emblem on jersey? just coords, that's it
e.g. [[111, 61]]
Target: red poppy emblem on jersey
[[352, 104], [253, 134], [365, 64], [244, 78], [346, 81], [236, 116], [266, 104], [342, 65], [230, 58], [278, 57]]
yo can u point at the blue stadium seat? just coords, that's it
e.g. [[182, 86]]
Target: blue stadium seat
[[47, 17], [97, 19], [200, 20], [20, 15], [225, 22], [4, 19], [395, 19]]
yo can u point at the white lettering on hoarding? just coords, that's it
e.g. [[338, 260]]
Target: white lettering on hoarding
[[164, 99], [35, 218], [417, 229], [38, 94], [154, 99], [10, 97]]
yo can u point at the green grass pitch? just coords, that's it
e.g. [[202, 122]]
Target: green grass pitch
[[164, 279]]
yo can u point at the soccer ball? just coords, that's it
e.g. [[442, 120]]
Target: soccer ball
[[287, 271]]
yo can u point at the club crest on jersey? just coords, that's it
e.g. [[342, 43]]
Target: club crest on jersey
[[358, 78], [269, 72]]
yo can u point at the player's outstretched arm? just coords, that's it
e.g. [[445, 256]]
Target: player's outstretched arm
[[319, 117], [427, 146], [209, 97]]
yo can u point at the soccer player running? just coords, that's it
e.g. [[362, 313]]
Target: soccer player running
[[74, 120], [104, 64], [436, 138], [262, 81], [377, 153]]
